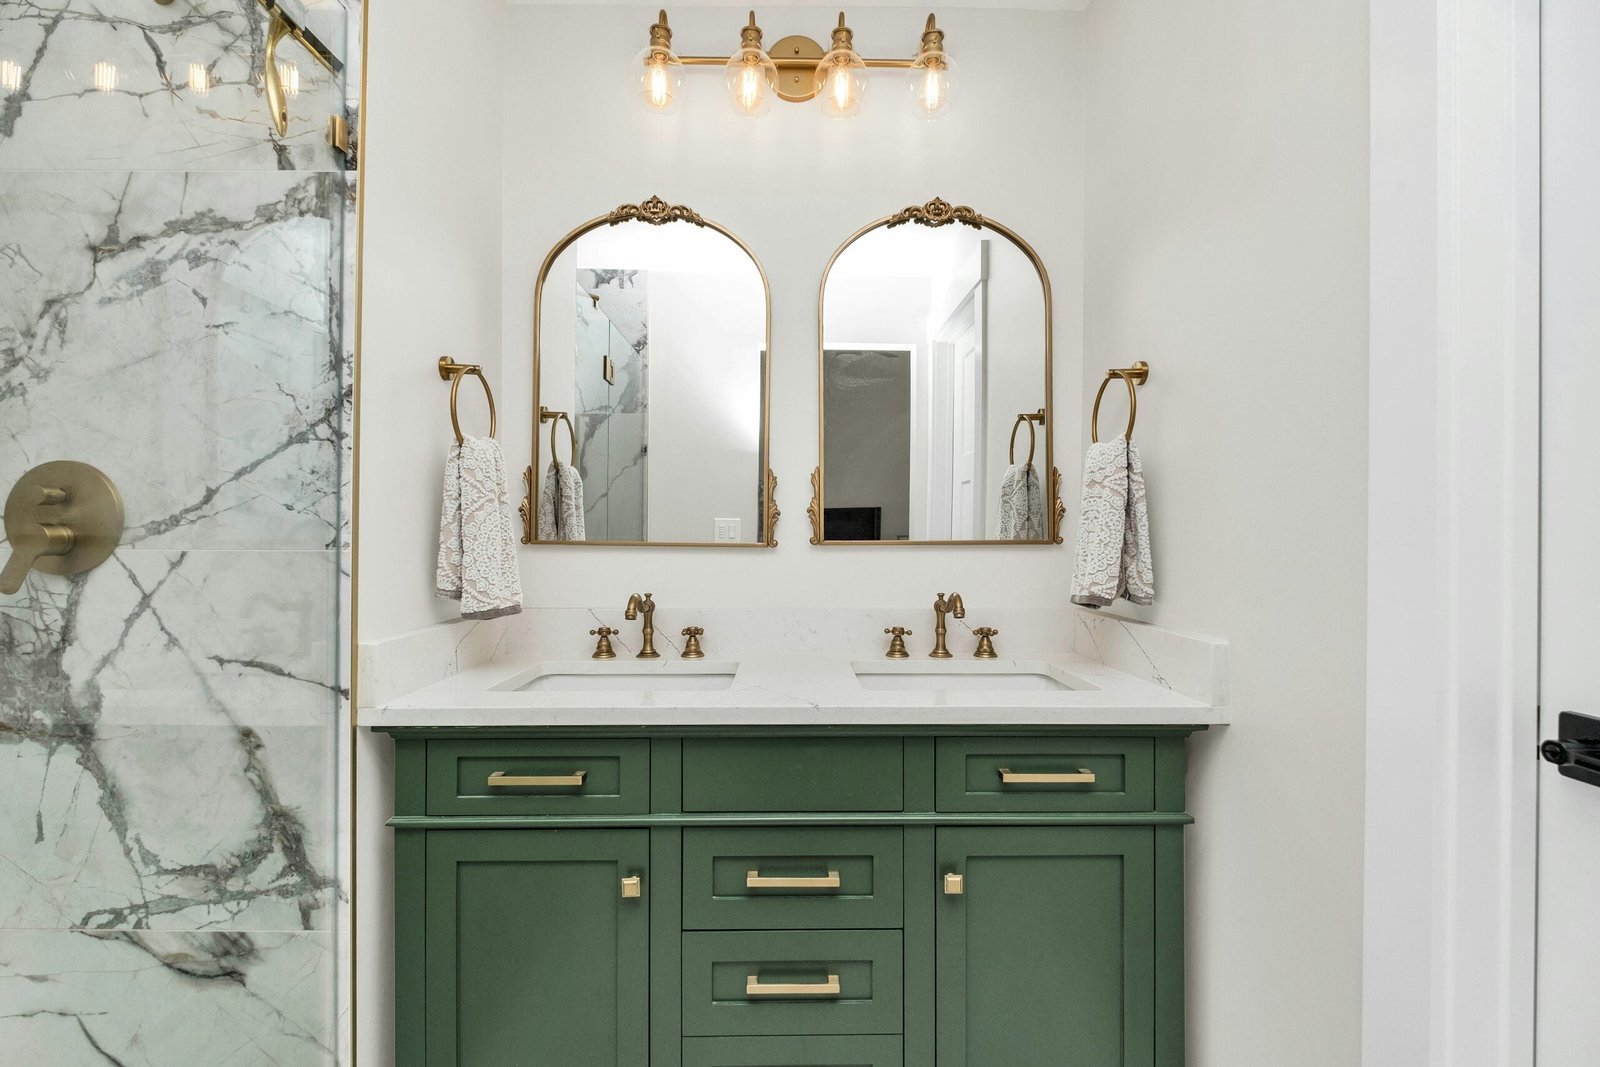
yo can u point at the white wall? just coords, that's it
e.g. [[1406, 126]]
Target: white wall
[[1227, 245], [430, 287], [577, 144]]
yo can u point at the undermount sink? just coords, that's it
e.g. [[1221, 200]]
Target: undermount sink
[[876, 676], [629, 682]]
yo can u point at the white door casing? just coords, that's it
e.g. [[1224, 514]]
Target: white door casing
[[1568, 976]]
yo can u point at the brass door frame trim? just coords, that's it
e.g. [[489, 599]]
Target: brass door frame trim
[[935, 213], [652, 212]]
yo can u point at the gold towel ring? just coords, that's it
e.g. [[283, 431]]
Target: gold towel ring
[[1033, 437], [554, 418], [453, 372], [1137, 374]]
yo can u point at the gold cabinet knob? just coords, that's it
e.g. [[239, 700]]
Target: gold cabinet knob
[[632, 887], [954, 885]]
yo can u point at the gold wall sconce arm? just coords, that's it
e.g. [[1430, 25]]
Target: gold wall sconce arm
[[62, 517]]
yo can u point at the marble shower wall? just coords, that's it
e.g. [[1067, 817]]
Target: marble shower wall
[[171, 297]]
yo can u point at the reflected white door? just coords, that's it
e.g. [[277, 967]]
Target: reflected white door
[[1568, 984], [960, 341]]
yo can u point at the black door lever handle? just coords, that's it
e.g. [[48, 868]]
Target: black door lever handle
[[1577, 750]]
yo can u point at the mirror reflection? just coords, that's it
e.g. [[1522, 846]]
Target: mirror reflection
[[651, 386], [935, 386]]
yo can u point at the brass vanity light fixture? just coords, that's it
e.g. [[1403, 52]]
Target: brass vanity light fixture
[[287, 18], [797, 69]]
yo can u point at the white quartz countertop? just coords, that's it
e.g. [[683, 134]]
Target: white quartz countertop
[[794, 690]]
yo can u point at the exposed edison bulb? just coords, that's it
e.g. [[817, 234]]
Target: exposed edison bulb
[[841, 77], [659, 71], [931, 78], [751, 76], [932, 82]]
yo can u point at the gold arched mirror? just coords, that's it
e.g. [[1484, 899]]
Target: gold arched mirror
[[934, 353], [651, 332]]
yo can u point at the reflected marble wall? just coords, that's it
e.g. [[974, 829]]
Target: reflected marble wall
[[171, 312]]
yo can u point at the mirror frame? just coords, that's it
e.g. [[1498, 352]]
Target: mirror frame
[[653, 212], [935, 213]]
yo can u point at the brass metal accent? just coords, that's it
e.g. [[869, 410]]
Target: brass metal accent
[[691, 647], [954, 885], [897, 642], [501, 779], [935, 213], [755, 987], [939, 212], [773, 514], [654, 211], [941, 608], [814, 509], [453, 372], [632, 887], [986, 636], [1058, 514], [645, 603], [795, 56], [1025, 418], [287, 19], [1082, 776], [602, 648], [1137, 374], [555, 419], [62, 517], [757, 880], [271, 79], [339, 134]]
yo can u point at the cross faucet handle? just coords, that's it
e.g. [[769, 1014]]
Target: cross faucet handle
[[986, 636], [897, 642], [603, 649]]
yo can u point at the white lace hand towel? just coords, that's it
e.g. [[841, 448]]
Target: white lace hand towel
[[1021, 505], [561, 504], [477, 537], [1113, 529]]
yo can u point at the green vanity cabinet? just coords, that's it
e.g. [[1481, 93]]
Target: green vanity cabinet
[[789, 897]]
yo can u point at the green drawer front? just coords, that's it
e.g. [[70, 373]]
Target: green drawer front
[[792, 1052], [795, 774], [718, 867], [717, 968], [616, 777], [969, 774]]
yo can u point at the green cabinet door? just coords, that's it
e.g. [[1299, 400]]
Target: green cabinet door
[[533, 955], [1046, 955]]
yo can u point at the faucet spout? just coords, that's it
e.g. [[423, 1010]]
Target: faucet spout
[[941, 608], [644, 603]]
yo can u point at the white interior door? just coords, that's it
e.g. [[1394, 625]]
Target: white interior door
[[961, 342], [1568, 983]]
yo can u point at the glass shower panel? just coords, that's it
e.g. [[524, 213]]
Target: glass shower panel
[[171, 313]]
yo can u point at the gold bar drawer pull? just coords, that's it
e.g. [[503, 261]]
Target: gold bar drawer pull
[[1082, 776], [502, 779], [756, 880], [755, 987]]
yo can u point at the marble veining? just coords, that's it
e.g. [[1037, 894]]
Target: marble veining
[[176, 282]]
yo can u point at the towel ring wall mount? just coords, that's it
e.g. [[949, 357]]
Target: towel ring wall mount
[[1133, 376], [1027, 418], [555, 418], [453, 372]]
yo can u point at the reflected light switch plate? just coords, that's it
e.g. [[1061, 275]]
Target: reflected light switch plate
[[725, 529]]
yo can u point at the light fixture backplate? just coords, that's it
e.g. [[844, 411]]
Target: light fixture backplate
[[796, 57]]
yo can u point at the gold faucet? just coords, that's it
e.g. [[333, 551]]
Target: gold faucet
[[646, 604], [941, 608]]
